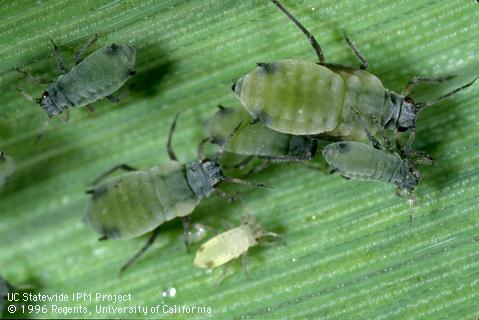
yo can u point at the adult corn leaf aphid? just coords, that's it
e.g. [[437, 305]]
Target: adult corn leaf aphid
[[231, 244], [254, 139], [139, 201], [97, 76], [7, 168], [356, 160], [307, 98]]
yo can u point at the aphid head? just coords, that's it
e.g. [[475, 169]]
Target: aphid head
[[407, 115], [48, 105], [411, 179], [237, 87], [258, 231], [204, 177]]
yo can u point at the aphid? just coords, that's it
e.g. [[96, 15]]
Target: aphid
[[139, 201], [231, 244], [254, 139], [7, 168], [356, 160], [307, 98], [97, 76]]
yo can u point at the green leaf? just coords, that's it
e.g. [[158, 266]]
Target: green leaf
[[348, 250]]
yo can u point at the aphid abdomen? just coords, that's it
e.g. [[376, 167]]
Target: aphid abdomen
[[357, 160], [292, 96], [225, 247], [366, 94], [99, 75], [254, 139], [137, 202]]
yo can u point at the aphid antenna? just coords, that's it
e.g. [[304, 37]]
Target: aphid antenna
[[308, 35], [221, 150], [423, 105], [169, 148], [246, 183], [27, 96]]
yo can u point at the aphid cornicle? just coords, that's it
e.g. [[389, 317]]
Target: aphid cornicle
[[7, 168], [254, 139], [231, 244], [139, 201], [356, 160], [97, 76], [307, 98]]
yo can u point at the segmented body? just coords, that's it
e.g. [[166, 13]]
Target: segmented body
[[357, 160], [225, 247], [304, 98], [256, 139], [97, 76], [7, 168], [137, 202]]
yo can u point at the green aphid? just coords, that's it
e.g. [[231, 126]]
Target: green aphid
[[356, 160], [254, 139], [307, 98], [7, 168], [139, 201], [97, 76], [231, 244]]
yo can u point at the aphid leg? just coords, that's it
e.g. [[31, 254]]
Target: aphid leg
[[121, 166], [364, 63], [225, 196], [43, 130], [223, 275], [90, 42], [246, 183], [308, 35], [422, 105], [408, 147], [142, 251], [417, 80], [201, 149], [25, 95], [411, 201], [169, 148], [60, 63], [221, 150], [309, 165], [244, 259], [117, 99], [241, 164], [186, 232], [382, 131], [32, 78], [260, 167], [361, 122], [66, 115]]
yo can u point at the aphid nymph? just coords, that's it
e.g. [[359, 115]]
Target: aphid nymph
[[97, 76], [231, 244], [139, 201]]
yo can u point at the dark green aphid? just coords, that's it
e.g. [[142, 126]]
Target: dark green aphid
[[7, 168], [97, 76], [307, 98], [139, 201], [356, 160], [254, 139]]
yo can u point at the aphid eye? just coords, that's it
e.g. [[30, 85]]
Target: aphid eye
[[408, 99], [45, 94]]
